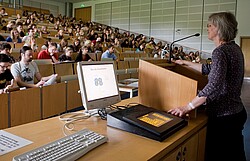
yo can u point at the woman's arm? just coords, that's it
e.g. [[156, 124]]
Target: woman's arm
[[195, 66]]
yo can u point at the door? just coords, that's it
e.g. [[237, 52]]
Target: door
[[245, 46], [83, 13]]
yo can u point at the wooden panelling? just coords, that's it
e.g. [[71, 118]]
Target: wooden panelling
[[45, 69], [164, 89], [25, 106], [4, 111], [73, 97], [64, 69], [53, 100]]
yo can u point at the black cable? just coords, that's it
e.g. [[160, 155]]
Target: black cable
[[102, 113]]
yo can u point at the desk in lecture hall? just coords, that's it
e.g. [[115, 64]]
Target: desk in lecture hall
[[121, 146]]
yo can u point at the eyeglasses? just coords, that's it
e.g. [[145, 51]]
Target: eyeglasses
[[4, 67]]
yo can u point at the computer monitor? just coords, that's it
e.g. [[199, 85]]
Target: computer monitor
[[98, 84]]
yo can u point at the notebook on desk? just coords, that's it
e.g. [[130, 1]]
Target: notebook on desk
[[51, 81]]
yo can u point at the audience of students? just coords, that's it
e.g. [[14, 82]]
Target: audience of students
[[83, 37]]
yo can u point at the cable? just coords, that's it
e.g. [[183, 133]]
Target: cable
[[74, 115], [103, 113], [71, 117]]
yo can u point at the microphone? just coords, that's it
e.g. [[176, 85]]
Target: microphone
[[170, 49]]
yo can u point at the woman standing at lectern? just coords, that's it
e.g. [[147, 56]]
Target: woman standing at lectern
[[224, 107]]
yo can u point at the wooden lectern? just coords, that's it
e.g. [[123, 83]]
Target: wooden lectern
[[164, 89]]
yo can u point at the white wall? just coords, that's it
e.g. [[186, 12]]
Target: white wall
[[242, 13], [242, 16], [48, 3], [92, 4]]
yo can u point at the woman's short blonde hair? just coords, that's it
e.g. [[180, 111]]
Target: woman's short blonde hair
[[226, 24]]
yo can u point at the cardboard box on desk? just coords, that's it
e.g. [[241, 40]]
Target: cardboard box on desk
[[164, 89]]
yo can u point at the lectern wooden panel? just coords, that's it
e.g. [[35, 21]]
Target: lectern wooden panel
[[64, 69], [53, 100], [25, 106], [191, 73], [4, 111], [73, 97], [164, 89], [45, 70]]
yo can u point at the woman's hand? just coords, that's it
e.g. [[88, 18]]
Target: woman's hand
[[180, 62], [180, 111]]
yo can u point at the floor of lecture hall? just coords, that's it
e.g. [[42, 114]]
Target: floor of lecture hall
[[245, 95]]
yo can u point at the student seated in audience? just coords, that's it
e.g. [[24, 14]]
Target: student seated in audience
[[44, 31], [109, 53], [50, 53], [62, 45], [36, 33], [83, 55], [125, 44], [92, 35], [70, 32], [14, 36], [28, 21], [3, 12], [18, 18], [141, 47], [27, 39], [34, 45], [80, 35], [5, 49], [150, 45], [77, 45], [25, 71], [6, 78], [46, 44], [11, 24], [19, 27], [2, 38], [60, 34], [157, 52], [67, 55], [117, 43], [98, 45], [42, 17]]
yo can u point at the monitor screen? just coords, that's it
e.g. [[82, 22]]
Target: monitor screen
[[98, 84]]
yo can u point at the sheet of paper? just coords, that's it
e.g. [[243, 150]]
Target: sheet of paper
[[134, 84], [10, 142], [128, 81]]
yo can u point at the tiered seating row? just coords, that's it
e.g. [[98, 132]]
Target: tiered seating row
[[34, 104]]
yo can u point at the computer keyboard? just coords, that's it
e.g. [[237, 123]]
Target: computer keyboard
[[69, 148]]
